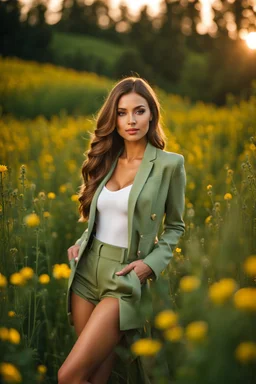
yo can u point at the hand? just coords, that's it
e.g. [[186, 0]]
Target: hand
[[142, 270], [73, 252]]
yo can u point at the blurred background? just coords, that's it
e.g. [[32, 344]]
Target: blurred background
[[58, 61], [201, 49]]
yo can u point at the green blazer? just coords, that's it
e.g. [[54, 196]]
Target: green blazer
[[156, 199]]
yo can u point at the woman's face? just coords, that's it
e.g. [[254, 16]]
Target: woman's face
[[133, 117]]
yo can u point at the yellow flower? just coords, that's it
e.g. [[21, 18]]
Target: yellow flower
[[146, 347], [166, 319], [51, 195], [222, 290], [27, 272], [178, 250], [209, 187], [250, 265], [74, 197], [10, 373], [189, 283], [61, 271], [14, 336], [46, 214], [3, 281], [44, 279], [246, 352], [62, 188], [245, 299], [230, 172], [11, 313], [196, 331], [189, 205], [4, 333], [32, 220], [208, 219], [3, 168], [17, 279], [42, 369], [227, 196], [174, 334]]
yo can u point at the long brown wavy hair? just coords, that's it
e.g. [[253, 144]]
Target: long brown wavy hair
[[106, 142]]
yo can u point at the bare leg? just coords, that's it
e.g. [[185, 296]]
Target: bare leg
[[94, 345]]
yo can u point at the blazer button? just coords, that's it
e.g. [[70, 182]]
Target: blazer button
[[153, 216]]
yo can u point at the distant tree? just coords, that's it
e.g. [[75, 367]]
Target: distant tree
[[28, 39]]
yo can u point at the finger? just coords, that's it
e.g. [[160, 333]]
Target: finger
[[125, 270]]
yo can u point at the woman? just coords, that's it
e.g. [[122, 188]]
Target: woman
[[130, 186]]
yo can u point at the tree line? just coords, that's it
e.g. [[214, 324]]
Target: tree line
[[163, 49]]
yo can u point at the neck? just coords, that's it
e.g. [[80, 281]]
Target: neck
[[134, 150]]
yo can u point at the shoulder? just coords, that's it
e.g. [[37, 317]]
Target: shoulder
[[172, 158]]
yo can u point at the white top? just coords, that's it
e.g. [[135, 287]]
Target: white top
[[112, 216]]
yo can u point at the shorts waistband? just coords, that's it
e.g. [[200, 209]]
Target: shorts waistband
[[109, 251]]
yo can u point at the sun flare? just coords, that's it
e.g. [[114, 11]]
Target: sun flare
[[251, 40]]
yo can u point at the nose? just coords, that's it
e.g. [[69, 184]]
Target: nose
[[132, 120]]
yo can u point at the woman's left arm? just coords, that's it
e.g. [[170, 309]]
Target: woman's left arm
[[173, 226]]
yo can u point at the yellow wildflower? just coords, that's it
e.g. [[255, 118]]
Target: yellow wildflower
[[209, 187], [10, 373], [189, 205], [17, 279], [174, 334], [3, 281], [208, 219], [32, 220], [146, 347], [14, 336], [250, 265], [245, 299], [42, 369], [196, 331], [51, 195], [178, 250], [61, 271], [74, 197], [4, 333], [246, 352], [3, 168], [44, 279], [27, 272], [230, 172], [227, 196], [166, 319], [62, 188], [189, 283], [11, 313], [222, 290], [46, 214]]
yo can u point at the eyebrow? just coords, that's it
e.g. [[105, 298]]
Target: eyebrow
[[139, 106]]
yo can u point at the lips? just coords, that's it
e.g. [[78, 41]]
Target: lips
[[133, 130]]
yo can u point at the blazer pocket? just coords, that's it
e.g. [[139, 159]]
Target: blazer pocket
[[146, 244]]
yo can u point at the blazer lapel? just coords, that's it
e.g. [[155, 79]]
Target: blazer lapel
[[139, 181]]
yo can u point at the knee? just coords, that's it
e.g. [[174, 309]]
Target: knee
[[62, 376], [65, 377]]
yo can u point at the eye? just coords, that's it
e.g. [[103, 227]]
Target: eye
[[119, 113], [140, 111]]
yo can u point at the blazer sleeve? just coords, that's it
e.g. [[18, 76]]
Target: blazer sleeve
[[173, 226], [81, 239]]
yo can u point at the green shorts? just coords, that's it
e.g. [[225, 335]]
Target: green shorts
[[95, 279]]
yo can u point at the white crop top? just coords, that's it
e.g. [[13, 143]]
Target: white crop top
[[112, 216]]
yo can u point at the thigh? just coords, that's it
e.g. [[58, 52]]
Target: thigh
[[96, 341], [81, 312]]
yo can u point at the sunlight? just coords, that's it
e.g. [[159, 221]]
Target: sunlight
[[251, 40]]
